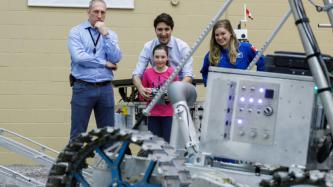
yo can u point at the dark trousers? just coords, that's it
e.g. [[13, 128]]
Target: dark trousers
[[160, 126], [85, 98]]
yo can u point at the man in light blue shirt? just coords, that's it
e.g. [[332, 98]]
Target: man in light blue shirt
[[177, 50], [94, 54]]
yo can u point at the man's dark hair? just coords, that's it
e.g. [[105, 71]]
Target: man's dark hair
[[165, 18]]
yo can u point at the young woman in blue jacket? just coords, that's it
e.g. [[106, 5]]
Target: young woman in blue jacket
[[226, 51]]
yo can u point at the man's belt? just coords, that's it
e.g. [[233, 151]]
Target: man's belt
[[104, 83]]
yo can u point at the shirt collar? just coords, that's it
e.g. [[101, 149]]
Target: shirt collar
[[170, 44], [87, 25]]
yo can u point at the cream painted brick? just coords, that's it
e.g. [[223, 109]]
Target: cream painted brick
[[34, 101], [18, 60], [45, 32], [34, 116], [17, 5], [40, 17], [34, 74], [12, 32], [133, 21], [44, 129], [40, 46], [45, 46], [326, 49], [127, 62], [132, 48], [34, 88], [134, 36], [12, 46], [297, 47], [19, 18], [58, 18], [185, 7], [4, 4]]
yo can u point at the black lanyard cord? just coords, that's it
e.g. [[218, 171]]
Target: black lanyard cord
[[92, 38]]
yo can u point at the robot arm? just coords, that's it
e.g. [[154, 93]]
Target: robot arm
[[181, 95]]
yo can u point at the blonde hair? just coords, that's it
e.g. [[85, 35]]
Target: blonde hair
[[215, 48]]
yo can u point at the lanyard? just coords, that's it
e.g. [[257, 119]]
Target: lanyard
[[92, 38]]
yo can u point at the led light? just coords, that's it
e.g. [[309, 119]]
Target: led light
[[261, 90], [259, 101], [315, 89], [251, 100], [242, 99], [239, 121]]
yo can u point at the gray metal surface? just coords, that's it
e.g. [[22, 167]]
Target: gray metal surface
[[329, 3], [26, 151], [211, 177], [289, 131], [177, 140], [30, 149], [169, 170], [12, 178]]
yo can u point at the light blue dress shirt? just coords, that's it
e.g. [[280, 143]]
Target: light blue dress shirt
[[86, 65], [177, 51]]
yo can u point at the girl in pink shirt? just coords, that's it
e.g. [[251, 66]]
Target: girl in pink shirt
[[160, 117]]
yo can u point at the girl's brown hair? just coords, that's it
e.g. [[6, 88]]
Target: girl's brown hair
[[164, 48]]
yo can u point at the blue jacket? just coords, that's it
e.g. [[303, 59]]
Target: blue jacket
[[246, 53]]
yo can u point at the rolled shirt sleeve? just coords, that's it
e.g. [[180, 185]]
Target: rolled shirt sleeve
[[187, 70], [111, 47], [90, 52], [145, 58], [79, 53]]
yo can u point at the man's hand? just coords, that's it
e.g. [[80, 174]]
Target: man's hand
[[145, 92], [101, 28], [111, 66]]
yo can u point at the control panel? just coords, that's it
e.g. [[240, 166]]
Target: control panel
[[255, 116], [255, 109]]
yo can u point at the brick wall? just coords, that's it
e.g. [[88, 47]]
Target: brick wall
[[34, 65]]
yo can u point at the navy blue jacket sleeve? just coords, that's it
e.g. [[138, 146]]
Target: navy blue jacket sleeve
[[252, 53], [260, 64], [204, 69]]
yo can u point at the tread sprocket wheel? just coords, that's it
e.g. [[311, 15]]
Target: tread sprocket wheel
[[110, 145], [311, 178]]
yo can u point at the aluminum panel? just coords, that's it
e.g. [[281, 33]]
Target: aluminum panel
[[290, 131]]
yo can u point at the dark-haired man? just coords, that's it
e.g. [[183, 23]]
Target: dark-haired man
[[163, 25]]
